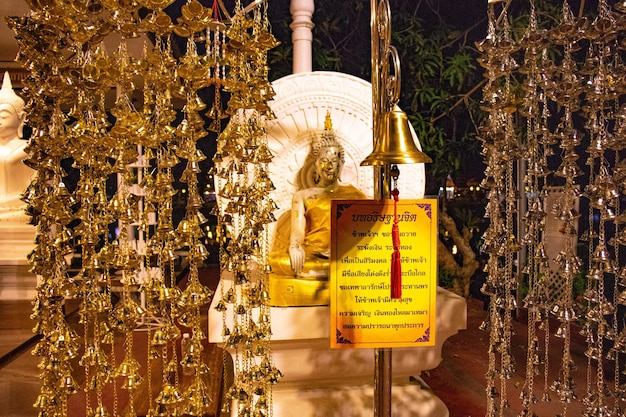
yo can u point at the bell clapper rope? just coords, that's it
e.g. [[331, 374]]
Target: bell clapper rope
[[396, 267]]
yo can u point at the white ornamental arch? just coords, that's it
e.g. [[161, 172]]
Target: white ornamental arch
[[300, 106]]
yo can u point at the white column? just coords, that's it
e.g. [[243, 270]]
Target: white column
[[302, 34]]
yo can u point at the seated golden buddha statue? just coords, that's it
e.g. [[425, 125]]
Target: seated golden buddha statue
[[300, 266]]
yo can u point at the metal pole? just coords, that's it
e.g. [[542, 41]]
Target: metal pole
[[382, 388], [382, 360]]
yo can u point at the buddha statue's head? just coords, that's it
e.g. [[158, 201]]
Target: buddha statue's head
[[327, 154], [12, 113]]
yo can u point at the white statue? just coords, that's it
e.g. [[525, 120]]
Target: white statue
[[14, 174]]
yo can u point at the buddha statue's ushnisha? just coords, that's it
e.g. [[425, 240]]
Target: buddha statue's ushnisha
[[14, 174], [300, 273]]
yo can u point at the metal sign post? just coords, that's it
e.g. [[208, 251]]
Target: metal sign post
[[393, 144]]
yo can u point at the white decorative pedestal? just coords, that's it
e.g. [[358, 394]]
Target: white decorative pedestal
[[319, 381], [16, 282]]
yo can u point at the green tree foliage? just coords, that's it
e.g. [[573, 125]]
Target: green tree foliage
[[440, 76]]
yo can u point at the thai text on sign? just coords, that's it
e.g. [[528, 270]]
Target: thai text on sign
[[363, 314]]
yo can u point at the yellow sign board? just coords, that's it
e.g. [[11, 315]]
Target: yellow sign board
[[362, 312]]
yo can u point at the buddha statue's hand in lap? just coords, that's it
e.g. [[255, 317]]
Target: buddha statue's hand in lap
[[307, 256]]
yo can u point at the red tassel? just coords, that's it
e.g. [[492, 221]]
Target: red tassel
[[396, 267]]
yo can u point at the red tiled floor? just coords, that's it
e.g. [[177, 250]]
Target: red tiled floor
[[460, 378]]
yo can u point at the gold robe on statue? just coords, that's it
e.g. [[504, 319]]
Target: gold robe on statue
[[310, 287]]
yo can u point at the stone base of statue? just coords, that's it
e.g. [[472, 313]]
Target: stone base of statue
[[16, 242], [337, 382]]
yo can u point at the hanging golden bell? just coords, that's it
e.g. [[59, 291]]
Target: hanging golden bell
[[394, 143], [68, 385], [561, 332], [43, 401], [159, 338], [131, 382], [100, 411], [127, 367], [200, 252], [169, 395], [107, 334], [185, 227], [201, 218]]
